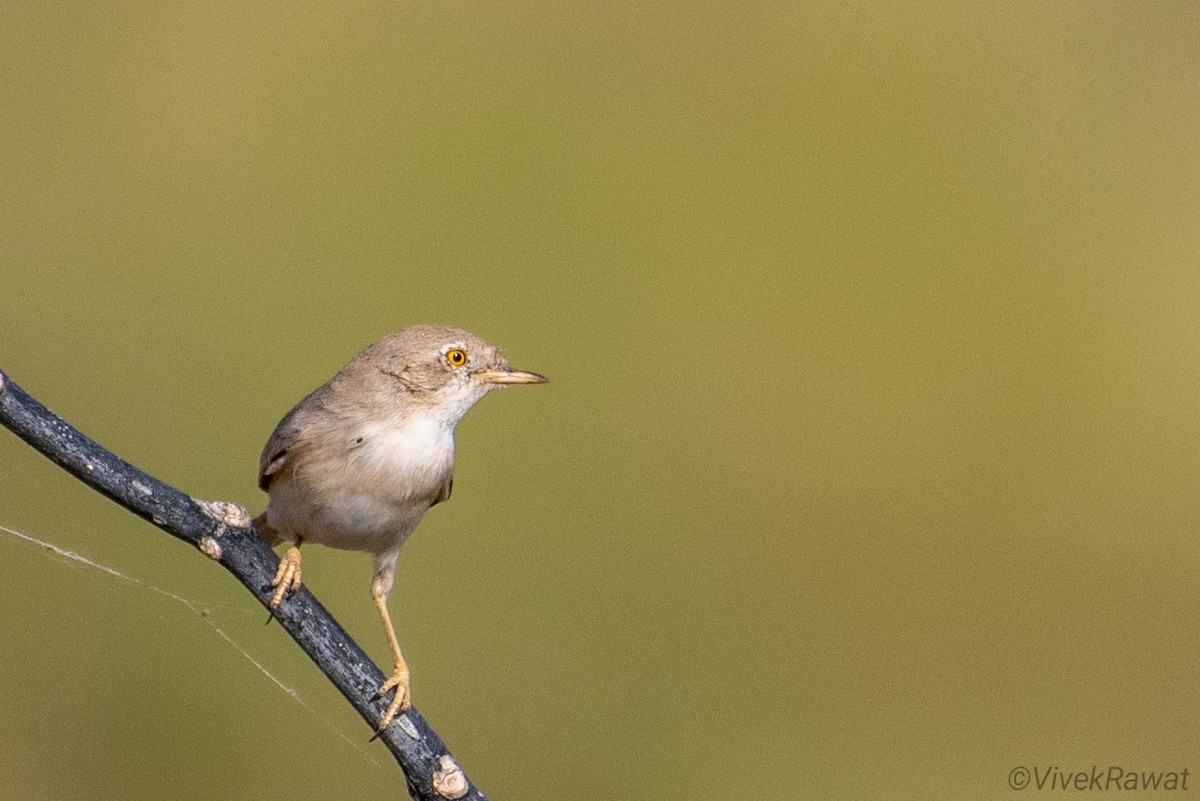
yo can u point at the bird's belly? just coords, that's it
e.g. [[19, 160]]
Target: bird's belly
[[366, 522], [362, 510], [369, 497], [354, 520]]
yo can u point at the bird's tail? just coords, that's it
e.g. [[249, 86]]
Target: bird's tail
[[263, 527]]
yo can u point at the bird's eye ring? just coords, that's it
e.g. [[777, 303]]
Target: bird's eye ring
[[457, 357]]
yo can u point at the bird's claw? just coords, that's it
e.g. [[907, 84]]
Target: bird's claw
[[287, 578], [403, 698]]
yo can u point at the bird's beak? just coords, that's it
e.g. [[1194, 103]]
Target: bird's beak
[[508, 377]]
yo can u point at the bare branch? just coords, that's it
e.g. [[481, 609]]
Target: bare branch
[[222, 531]]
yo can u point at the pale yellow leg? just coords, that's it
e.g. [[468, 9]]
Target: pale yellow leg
[[400, 678], [287, 576]]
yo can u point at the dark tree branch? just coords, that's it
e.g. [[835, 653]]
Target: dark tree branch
[[222, 531]]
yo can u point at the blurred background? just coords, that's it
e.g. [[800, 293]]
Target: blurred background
[[869, 464]]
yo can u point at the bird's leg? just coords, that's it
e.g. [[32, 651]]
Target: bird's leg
[[400, 676], [287, 576]]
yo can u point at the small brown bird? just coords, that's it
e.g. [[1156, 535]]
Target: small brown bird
[[358, 462]]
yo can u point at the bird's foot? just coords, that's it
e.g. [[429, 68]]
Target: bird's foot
[[402, 701], [287, 577]]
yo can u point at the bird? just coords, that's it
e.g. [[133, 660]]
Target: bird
[[358, 462]]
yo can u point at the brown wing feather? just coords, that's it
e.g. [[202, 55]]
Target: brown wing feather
[[444, 491], [286, 439], [274, 457]]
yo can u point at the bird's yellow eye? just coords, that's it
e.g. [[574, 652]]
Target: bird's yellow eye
[[457, 357]]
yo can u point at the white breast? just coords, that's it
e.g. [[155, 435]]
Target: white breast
[[375, 493], [419, 447]]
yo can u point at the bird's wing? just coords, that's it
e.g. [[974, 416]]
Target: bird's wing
[[283, 445], [444, 490]]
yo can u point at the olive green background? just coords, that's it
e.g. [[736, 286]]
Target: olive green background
[[870, 463]]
